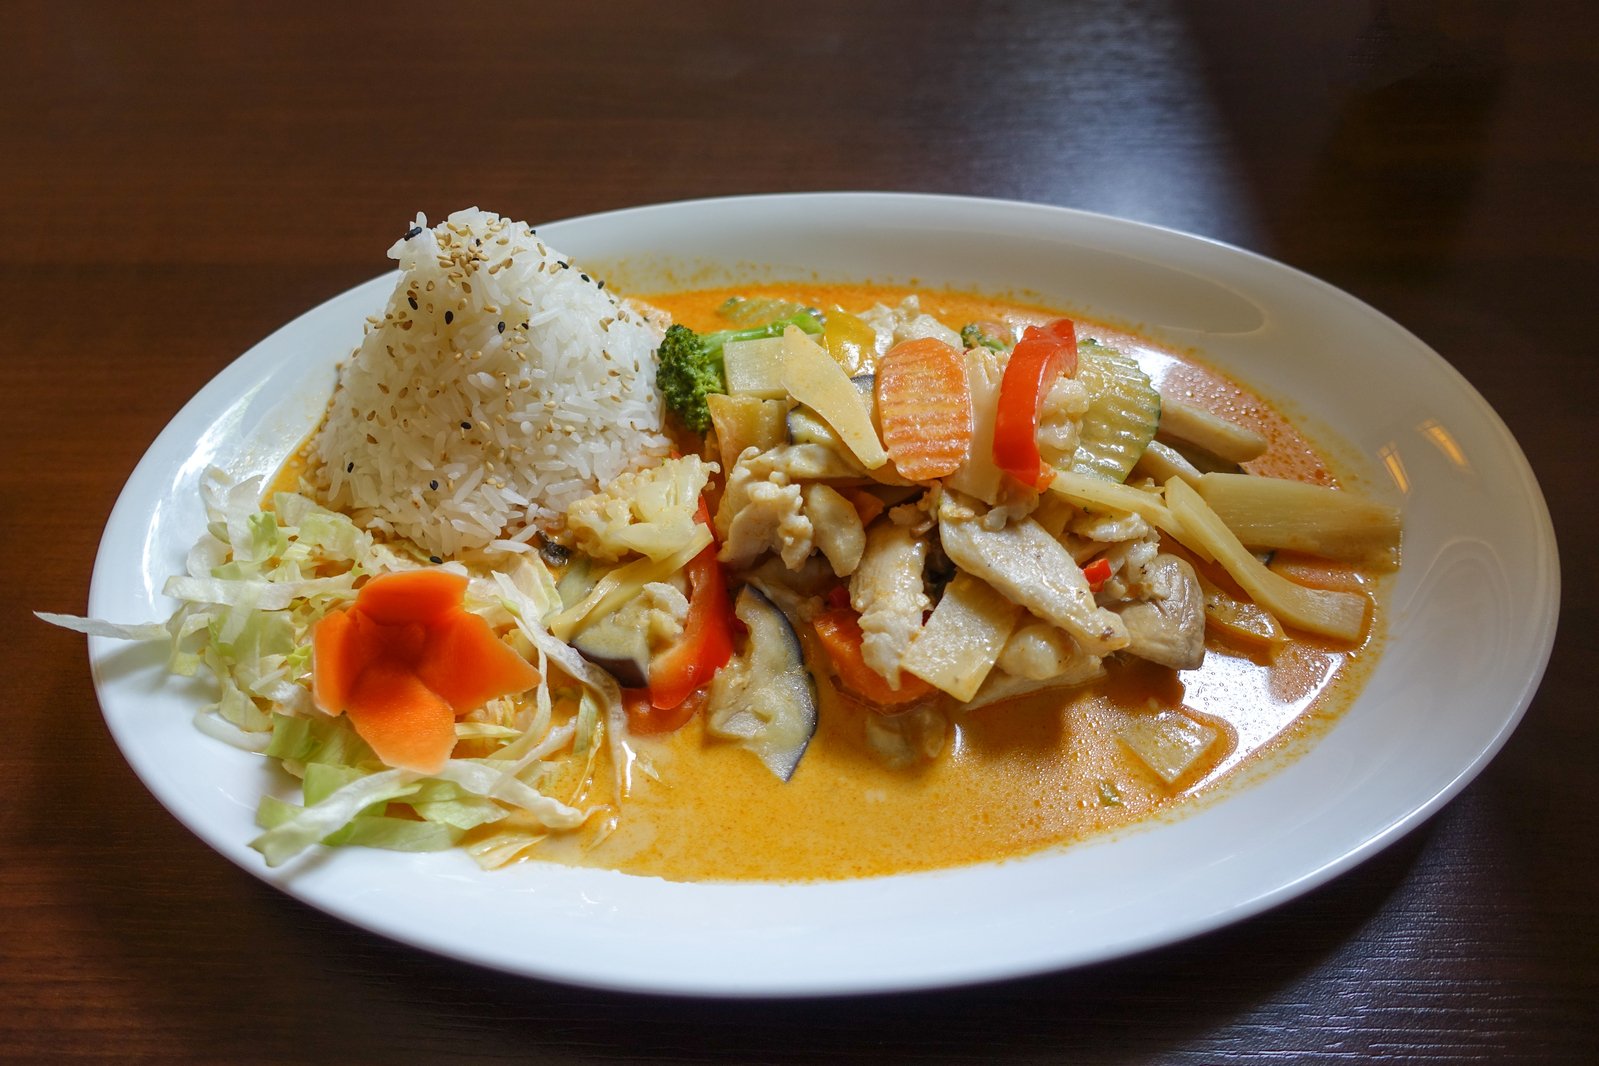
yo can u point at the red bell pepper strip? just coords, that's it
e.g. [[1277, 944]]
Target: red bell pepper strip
[[1042, 356], [1097, 573], [707, 640], [645, 718], [1066, 330]]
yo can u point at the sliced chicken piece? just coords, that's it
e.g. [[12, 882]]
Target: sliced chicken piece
[[1060, 419], [901, 740], [1169, 627], [811, 462], [1038, 652], [1109, 527], [886, 589], [1132, 562], [836, 525], [1031, 568], [772, 518], [761, 511], [735, 492]]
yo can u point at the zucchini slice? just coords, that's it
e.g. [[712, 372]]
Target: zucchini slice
[[1123, 412]]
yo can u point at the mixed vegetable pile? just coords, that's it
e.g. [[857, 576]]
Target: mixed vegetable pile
[[931, 518], [917, 518]]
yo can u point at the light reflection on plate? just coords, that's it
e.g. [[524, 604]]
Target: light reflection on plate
[[1480, 572]]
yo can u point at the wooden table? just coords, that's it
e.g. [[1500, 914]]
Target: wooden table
[[178, 180]]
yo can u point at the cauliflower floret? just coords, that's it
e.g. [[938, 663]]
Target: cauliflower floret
[[650, 512], [905, 323]]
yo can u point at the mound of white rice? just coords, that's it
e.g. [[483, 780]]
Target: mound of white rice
[[501, 384]]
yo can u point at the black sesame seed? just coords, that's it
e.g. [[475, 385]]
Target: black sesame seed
[[553, 553], [412, 301], [602, 284], [565, 266], [435, 560], [502, 327], [466, 425], [349, 468], [433, 485], [449, 316], [585, 277], [412, 232]]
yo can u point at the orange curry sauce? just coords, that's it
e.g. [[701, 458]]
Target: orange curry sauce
[[1014, 778]]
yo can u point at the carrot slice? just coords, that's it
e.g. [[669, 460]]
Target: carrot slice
[[840, 633], [407, 724], [467, 665], [333, 663], [866, 505], [411, 596], [925, 406]]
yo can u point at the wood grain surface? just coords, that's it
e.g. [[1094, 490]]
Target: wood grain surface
[[177, 180]]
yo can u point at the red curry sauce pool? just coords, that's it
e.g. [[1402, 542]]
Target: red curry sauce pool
[[1015, 778]]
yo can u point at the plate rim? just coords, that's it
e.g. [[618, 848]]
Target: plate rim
[[109, 557]]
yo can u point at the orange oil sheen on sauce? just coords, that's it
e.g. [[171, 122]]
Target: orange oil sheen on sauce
[[1014, 778]]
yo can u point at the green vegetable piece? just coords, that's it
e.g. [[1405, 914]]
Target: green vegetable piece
[[758, 310], [974, 336], [1123, 412], [690, 364], [689, 371]]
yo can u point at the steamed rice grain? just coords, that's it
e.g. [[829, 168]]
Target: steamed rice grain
[[501, 384]]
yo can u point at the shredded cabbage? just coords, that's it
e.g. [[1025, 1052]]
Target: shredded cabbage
[[258, 580]]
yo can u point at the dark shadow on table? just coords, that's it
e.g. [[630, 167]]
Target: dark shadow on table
[[1373, 166]]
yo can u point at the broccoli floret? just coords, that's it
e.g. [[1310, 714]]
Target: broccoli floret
[[973, 335], [691, 364], [689, 372]]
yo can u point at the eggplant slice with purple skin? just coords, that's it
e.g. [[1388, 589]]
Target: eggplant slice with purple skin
[[621, 650], [764, 699]]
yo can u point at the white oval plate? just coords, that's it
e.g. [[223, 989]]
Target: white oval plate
[[1472, 620]]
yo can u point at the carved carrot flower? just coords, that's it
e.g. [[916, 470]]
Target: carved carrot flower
[[405, 660]]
